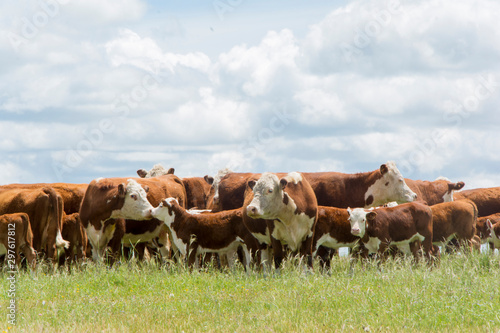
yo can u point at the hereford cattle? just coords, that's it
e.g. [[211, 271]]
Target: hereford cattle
[[290, 208], [16, 237], [434, 192], [406, 226], [333, 230], [482, 230], [494, 238], [487, 200], [44, 208], [75, 234], [454, 220], [333, 189], [198, 189], [200, 233], [109, 200], [71, 194]]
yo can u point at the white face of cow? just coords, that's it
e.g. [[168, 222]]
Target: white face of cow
[[358, 218], [267, 197], [136, 205], [390, 187], [163, 211]]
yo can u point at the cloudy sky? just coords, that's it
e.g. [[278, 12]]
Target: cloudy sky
[[100, 89]]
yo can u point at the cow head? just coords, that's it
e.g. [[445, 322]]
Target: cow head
[[390, 186], [268, 196], [164, 212], [213, 197], [156, 171], [491, 230], [359, 219], [135, 203]]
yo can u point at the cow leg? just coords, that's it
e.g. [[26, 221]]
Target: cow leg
[[306, 251], [325, 255], [192, 255], [277, 252]]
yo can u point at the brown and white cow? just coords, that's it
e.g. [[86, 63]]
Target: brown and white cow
[[289, 208], [75, 234], [494, 235], [200, 233], [406, 226], [198, 189], [454, 220], [434, 192], [16, 237], [482, 230], [44, 208], [108, 200], [333, 189], [333, 231], [487, 199]]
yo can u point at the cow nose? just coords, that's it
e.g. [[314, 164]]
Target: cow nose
[[251, 210], [355, 231]]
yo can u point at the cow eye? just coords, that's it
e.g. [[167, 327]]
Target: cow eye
[[387, 184], [133, 196], [270, 190]]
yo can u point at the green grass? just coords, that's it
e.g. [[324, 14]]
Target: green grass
[[461, 294]]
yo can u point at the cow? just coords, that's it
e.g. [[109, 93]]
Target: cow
[[453, 220], [198, 189], [407, 226], [75, 234], [482, 231], [44, 208], [487, 199], [289, 210], [434, 192], [71, 194], [333, 189], [117, 210], [15, 237], [333, 231], [200, 233], [494, 238]]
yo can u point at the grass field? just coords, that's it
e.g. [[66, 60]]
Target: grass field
[[460, 295]]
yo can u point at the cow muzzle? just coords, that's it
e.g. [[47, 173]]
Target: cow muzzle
[[355, 231], [252, 211]]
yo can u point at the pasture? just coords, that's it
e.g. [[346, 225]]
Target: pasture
[[460, 294]]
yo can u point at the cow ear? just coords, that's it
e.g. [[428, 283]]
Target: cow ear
[[122, 190], [146, 188], [456, 186], [208, 179], [142, 173], [489, 224], [371, 216], [170, 171], [251, 184], [283, 183], [349, 211], [384, 169]]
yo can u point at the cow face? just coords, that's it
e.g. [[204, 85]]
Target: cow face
[[359, 218], [135, 205], [490, 230], [391, 186], [164, 211], [267, 196]]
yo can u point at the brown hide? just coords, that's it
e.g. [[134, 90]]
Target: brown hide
[[456, 217], [432, 192], [17, 226], [487, 199]]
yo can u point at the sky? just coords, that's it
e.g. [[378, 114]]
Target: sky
[[94, 89]]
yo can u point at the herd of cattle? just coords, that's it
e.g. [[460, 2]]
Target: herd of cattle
[[258, 217]]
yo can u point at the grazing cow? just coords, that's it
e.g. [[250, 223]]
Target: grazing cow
[[487, 199], [453, 220], [289, 204], [198, 189], [482, 230], [333, 230], [438, 191], [75, 234], [44, 208], [200, 233], [333, 189], [15, 237], [406, 226], [494, 238], [71, 194], [108, 200]]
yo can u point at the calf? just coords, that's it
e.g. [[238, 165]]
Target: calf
[[487, 200], [437, 191], [406, 226], [195, 234], [16, 237], [75, 234], [482, 230], [494, 238], [454, 220], [285, 210]]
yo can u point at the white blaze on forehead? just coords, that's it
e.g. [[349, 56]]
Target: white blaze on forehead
[[136, 205], [266, 181], [357, 218], [97, 180], [390, 187], [163, 213]]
